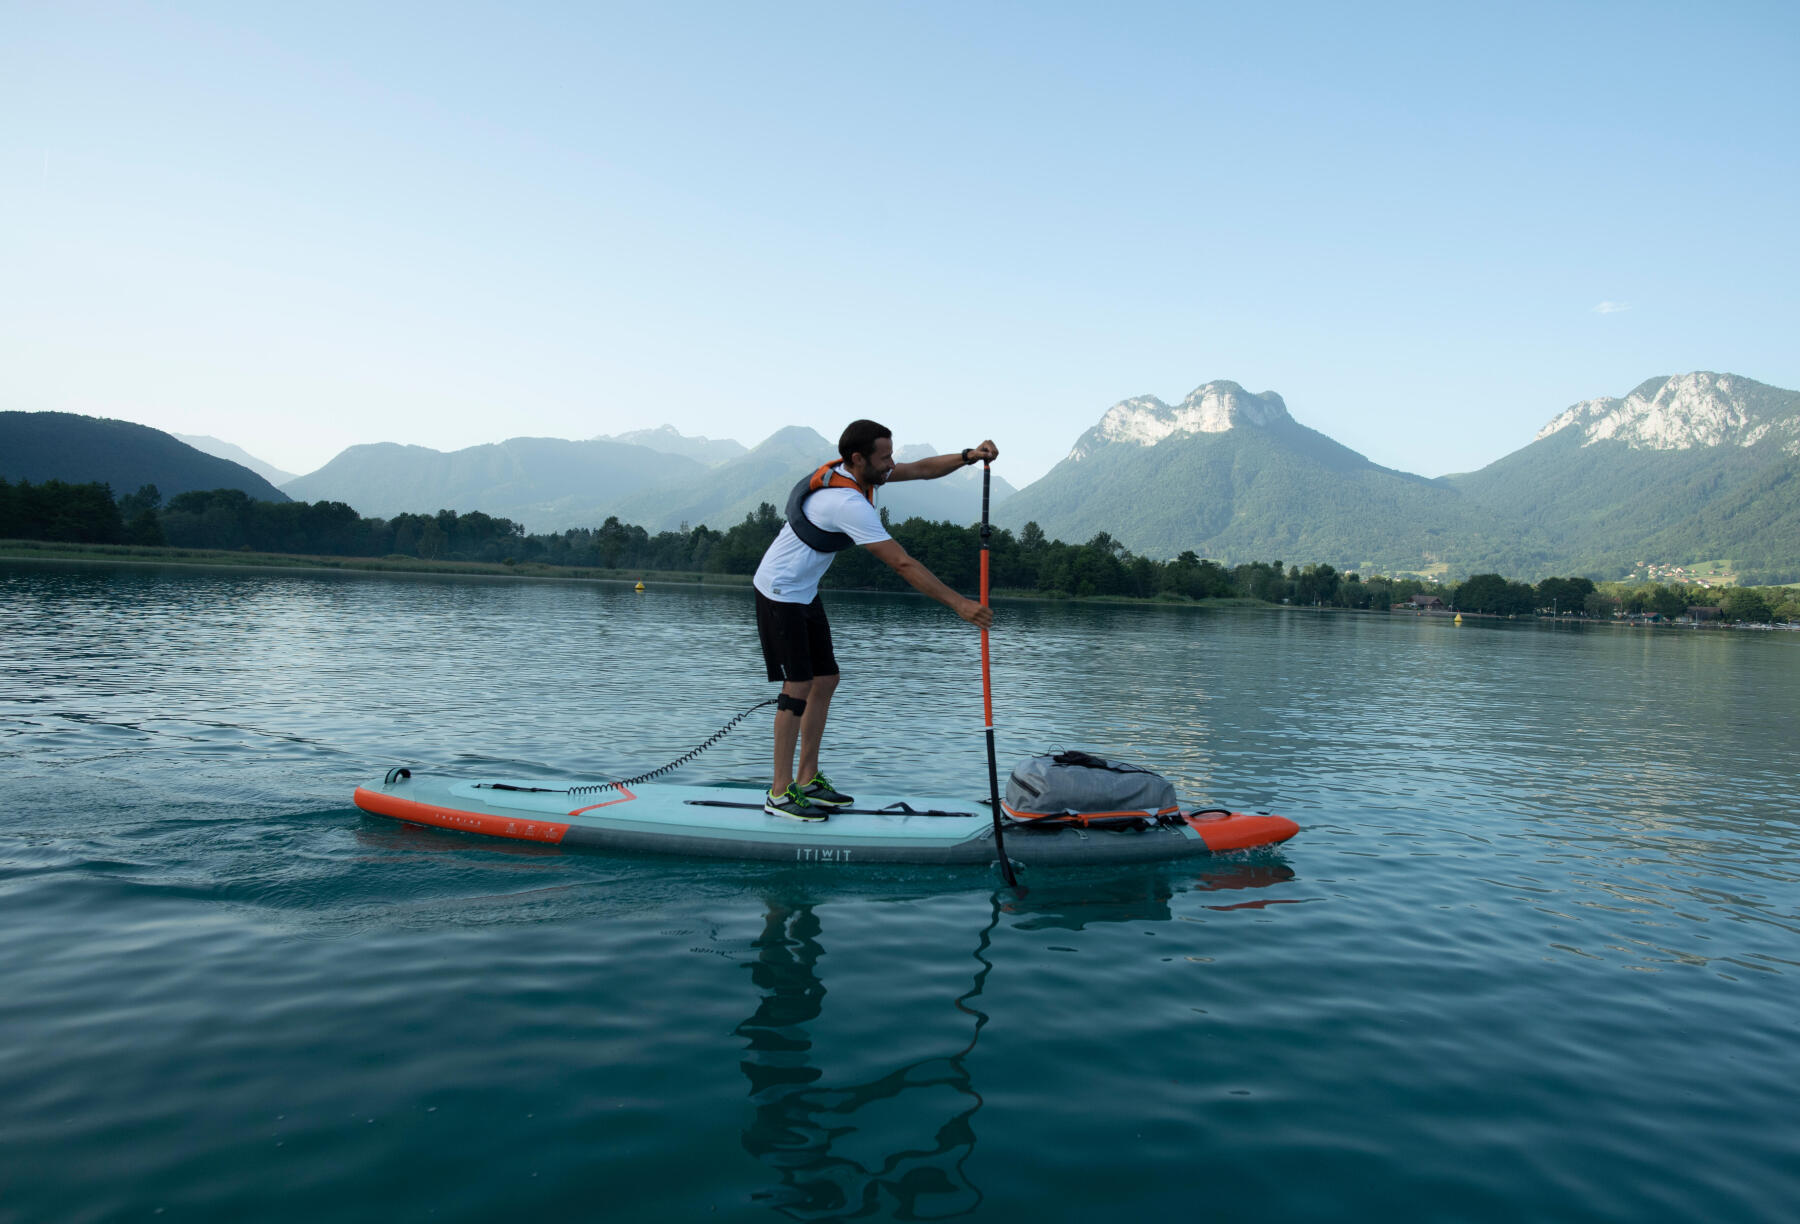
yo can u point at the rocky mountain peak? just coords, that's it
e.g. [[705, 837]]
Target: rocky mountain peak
[[1687, 411], [1215, 407]]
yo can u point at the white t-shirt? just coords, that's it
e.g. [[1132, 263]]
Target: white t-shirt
[[790, 571]]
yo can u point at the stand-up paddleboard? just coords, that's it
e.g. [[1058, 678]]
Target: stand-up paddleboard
[[722, 822]]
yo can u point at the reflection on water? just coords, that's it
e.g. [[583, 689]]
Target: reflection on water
[[916, 1122], [1072, 901], [801, 1117]]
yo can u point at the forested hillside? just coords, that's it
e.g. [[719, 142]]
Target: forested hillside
[[1271, 490], [40, 446]]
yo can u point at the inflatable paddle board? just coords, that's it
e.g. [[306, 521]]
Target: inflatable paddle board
[[722, 822]]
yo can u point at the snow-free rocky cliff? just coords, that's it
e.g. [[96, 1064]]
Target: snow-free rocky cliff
[[1214, 408], [1685, 412]]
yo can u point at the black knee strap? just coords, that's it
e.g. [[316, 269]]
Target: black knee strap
[[796, 704]]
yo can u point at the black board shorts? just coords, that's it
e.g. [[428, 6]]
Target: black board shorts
[[796, 639]]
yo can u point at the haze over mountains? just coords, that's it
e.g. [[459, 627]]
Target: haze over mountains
[[550, 484], [225, 450], [545, 483], [767, 473], [670, 441], [1694, 467]]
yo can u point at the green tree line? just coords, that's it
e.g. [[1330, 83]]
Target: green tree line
[[1025, 561]]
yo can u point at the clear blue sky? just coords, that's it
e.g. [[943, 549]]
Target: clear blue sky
[[1429, 227]]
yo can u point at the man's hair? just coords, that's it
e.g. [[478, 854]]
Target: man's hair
[[859, 438]]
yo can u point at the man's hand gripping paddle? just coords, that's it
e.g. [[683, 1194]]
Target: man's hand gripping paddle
[[987, 684]]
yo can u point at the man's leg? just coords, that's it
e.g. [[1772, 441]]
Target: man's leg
[[785, 635], [812, 726], [788, 727]]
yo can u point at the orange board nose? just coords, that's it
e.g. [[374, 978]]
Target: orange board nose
[[450, 818], [1241, 831]]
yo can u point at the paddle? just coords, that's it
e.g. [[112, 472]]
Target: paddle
[[987, 683]]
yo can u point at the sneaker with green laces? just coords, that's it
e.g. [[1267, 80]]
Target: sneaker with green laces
[[821, 793], [792, 804]]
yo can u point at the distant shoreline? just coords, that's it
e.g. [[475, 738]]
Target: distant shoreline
[[42, 550], [138, 554]]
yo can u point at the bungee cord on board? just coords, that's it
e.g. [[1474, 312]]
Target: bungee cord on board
[[678, 762], [591, 788]]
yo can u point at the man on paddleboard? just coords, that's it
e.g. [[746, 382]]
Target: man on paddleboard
[[830, 510]]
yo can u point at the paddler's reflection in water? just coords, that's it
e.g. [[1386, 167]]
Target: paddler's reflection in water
[[931, 1103], [798, 1118]]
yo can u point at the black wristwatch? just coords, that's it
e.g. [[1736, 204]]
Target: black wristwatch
[[968, 456]]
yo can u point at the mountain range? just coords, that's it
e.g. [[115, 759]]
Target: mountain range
[[545, 483], [657, 482], [1694, 467]]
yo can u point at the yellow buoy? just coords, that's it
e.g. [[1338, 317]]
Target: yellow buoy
[[1457, 621], [640, 586]]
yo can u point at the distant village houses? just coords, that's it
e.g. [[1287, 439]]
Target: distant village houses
[[1658, 572]]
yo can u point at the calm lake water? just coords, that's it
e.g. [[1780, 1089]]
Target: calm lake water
[[1534, 955]]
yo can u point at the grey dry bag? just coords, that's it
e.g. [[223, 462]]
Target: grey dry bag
[[1087, 789]]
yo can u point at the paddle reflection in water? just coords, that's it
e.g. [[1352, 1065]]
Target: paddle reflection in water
[[802, 1124], [798, 1119]]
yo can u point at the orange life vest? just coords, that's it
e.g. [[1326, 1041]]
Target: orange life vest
[[828, 476]]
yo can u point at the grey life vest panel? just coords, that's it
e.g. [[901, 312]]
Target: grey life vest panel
[[1078, 783], [811, 534]]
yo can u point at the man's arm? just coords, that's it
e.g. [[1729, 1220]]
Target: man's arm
[[942, 465], [923, 580]]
